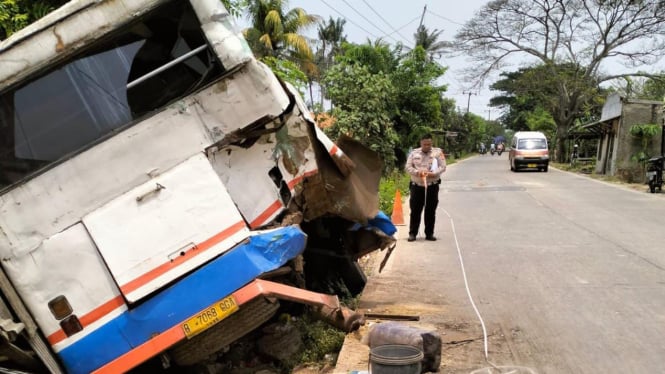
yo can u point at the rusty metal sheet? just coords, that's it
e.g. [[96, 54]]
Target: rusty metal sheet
[[356, 196]]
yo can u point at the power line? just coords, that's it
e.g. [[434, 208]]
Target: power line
[[368, 20], [445, 18], [405, 25], [348, 19], [386, 22]]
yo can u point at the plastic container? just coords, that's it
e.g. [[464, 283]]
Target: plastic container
[[395, 359]]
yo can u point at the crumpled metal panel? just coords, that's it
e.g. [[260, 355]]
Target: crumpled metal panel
[[353, 196], [236, 104]]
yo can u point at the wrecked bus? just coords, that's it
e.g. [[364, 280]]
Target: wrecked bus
[[161, 191]]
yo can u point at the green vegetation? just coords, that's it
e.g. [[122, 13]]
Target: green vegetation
[[582, 168], [645, 133], [16, 14], [276, 30], [389, 184], [319, 339], [367, 120]]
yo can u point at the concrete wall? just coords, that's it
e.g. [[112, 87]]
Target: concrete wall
[[628, 147]]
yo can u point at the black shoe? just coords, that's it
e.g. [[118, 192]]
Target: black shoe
[[431, 238], [412, 238]]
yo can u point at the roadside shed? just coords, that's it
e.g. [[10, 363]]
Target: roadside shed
[[617, 148]]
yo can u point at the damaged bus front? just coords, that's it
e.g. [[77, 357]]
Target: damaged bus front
[[161, 190]]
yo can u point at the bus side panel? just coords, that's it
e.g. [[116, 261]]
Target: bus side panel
[[166, 227], [170, 307], [66, 264], [76, 187]]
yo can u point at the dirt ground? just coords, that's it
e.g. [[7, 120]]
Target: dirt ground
[[462, 338]]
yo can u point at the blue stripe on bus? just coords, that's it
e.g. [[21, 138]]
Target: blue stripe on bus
[[158, 313]]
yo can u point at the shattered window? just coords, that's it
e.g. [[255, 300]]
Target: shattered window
[[153, 62]]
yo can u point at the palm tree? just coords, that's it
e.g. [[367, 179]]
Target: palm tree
[[331, 36], [429, 41], [275, 30]]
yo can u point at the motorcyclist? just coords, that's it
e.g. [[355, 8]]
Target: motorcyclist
[[482, 148], [492, 147]]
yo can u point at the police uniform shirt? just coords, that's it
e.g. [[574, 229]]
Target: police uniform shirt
[[433, 161]]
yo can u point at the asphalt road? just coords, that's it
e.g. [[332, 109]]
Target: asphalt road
[[567, 272]]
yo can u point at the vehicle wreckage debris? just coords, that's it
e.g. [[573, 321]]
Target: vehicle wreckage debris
[[393, 317]]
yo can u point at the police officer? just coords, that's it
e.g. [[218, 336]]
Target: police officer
[[425, 166]]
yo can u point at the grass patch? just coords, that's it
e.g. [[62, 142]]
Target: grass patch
[[387, 187], [582, 168], [319, 338]]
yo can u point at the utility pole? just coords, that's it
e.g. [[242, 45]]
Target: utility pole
[[489, 115], [422, 18], [468, 102]]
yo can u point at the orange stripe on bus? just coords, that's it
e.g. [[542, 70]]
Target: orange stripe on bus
[[277, 204], [274, 207], [143, 352], [334, 149], [90, 318], [167, 266], [56, 337], [299, 179]]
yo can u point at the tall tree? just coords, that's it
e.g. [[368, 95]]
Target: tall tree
[[528, 97], [643, 88], [413, 105], [418, 97], [364, 103], [276, 31], [589, 34], [331, 37], [654, 88], [429, 41]]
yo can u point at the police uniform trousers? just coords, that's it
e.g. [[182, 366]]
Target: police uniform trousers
[[417, 201]]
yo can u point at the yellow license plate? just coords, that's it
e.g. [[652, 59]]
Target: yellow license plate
[[531, 165], [210, 316]]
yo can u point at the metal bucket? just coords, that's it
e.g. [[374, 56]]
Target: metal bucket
[[395, 359]]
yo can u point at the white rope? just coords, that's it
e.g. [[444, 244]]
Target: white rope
[[508, 369], [466, 284]]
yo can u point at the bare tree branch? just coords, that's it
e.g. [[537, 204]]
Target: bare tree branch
[[587, 34]]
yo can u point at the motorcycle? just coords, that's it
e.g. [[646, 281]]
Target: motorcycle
[[499, 149], [492, 149], [655, 173]]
